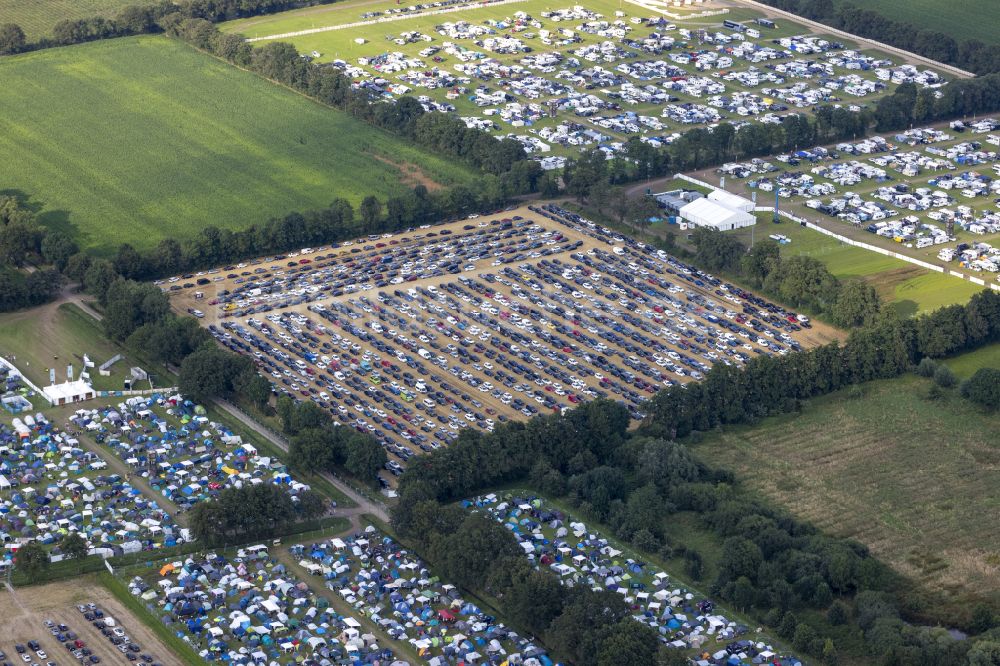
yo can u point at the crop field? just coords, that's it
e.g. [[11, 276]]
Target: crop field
[[37, 17], [498, 318], [961, 19], [564, 78], [140, 139], [912, 478]]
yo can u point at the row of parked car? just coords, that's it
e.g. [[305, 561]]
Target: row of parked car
[[564, 311], [115, 634]]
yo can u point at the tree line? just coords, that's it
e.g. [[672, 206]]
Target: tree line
[[812, 589], [141, 19], [970, 54], [214, 246], [885, 347], [799, 281]]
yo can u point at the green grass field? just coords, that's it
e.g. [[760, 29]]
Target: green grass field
[[914, 479], [965, 365], [56, 336], [36, 17], [141, 139], [961, 19], [910, 289]]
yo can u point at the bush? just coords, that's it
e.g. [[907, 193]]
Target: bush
[[944, 377], [927, 367], [837, 615], [694, 567], [983, 388]]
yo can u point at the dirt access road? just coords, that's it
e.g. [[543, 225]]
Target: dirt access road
[[25, 610]]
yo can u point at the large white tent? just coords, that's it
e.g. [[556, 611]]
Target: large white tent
[[730, 200], [707, 213]]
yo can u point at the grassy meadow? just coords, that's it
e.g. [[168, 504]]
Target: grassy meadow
[[144, 138], [56, 336], [908, 288], [915, 479]]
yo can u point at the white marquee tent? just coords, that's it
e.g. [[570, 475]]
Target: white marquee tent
[[707, 213], [730, 200]]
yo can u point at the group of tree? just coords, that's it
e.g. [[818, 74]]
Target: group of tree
[[579, 625], [879, 24], [785, 573], [799, 281], [325, 447], [238, 515], [24, 241]]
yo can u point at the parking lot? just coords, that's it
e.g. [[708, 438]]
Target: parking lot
[[25, 612], [414, 336]]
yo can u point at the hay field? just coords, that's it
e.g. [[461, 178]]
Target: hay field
[[961, 19], [140, 139], [37, 17], [914, 479]]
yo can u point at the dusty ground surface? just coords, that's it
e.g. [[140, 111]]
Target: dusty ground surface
[[24, 611], [185, 298]]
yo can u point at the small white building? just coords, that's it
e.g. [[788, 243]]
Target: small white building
[[707, 213], [68, 392]]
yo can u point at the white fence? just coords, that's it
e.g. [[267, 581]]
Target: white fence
[[117, 394], [885, 47], [850, 241], [385, 19]]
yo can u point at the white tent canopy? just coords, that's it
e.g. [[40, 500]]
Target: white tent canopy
[[730, 200], [707, 213]]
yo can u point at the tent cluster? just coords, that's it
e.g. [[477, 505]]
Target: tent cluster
[[580, 556], [170, 442], [399, 594], [50, 486], [250, 610]]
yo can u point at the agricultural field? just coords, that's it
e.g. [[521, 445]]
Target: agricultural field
[[140, 139], [37, 17], [498, 319], [564, 78], [912, 478], [960, 19]]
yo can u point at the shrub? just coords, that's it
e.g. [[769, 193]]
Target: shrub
[[944, 377], [983, 388], [927, 367]]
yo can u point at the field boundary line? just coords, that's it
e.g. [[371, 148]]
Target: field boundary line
[[385, 19], [850, 241]]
